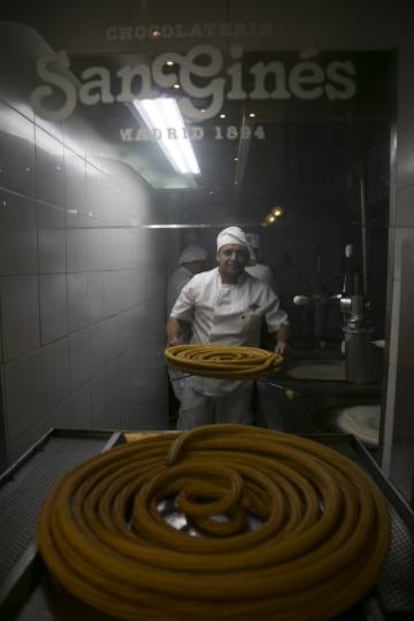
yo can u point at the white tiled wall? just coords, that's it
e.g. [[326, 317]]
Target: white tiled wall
[[82, 292]]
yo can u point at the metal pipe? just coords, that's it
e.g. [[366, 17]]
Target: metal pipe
[[363, 237]]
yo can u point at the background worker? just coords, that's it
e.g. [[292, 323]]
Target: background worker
[[191, 261], [259, 269], [267, 404], [226, 306]]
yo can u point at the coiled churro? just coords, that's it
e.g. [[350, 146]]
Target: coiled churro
[[320, 538], [223, 361]]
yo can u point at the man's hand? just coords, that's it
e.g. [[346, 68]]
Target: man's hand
[[173, 330], [173, 341], [282, 345]]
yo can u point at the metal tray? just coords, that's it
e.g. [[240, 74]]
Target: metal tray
[[24, 486], [30, 592]]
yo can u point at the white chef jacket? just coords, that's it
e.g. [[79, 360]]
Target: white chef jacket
[[229, 314], [179, 277]]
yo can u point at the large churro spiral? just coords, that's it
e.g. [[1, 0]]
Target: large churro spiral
[[223, 361], [319, 536]]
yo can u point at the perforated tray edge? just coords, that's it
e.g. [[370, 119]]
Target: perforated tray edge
[[27, 571]]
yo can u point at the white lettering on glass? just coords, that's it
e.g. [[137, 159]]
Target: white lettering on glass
[[201, 75]]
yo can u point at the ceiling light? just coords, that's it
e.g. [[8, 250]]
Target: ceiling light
[[236, 159], [252, 115], [277, 211], [176, 85], [163, 114], [170, 63], [270, 219], [222, 116]]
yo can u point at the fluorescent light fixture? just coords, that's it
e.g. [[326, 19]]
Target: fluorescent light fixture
[[164, 116]]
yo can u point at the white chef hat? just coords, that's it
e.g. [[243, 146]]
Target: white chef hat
[[234, 235], [192, 253]]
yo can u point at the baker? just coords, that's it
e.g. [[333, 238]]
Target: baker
[[226, 306]]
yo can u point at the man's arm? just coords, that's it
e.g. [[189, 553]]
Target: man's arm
[[174, 329], [282, 338], [277, 323]]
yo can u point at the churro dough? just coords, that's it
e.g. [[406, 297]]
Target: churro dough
[[319, 540], [223, 361]]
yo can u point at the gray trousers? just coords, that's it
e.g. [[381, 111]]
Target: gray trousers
[[197, 409], [177, 379]]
